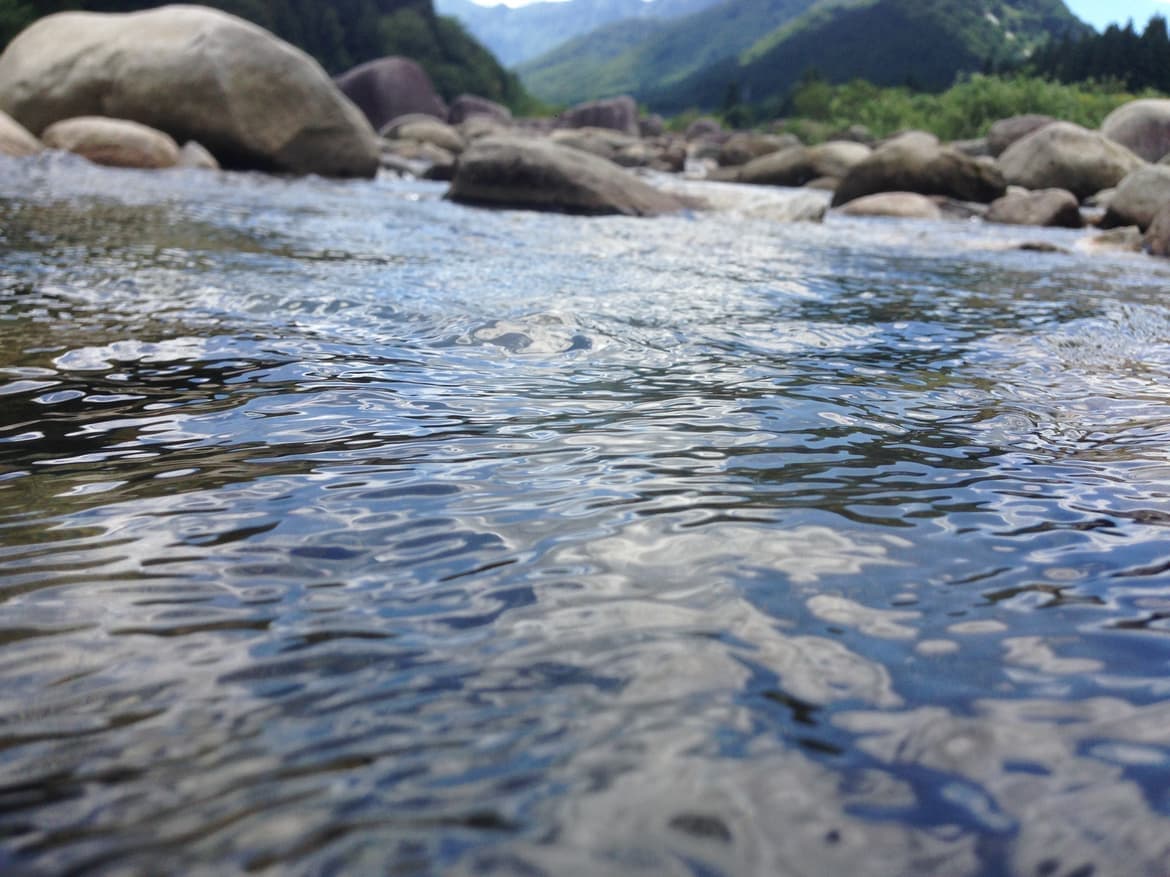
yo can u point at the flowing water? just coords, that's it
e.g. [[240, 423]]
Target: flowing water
[[345, 530]]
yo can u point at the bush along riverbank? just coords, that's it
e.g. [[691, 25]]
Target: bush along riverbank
[[1044, 154]]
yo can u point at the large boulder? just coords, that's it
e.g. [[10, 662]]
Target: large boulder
[[1066, 156], [540, 175], [917, 162], [16, 140], [113, 142], [798, 165], [1139, 197], [615, 113], [195, 73], [466, 106], [1157, 239], [1141, 125], [387, 88], [1057, 208], [1005, 132]]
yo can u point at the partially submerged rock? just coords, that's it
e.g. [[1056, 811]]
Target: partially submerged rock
[[16, 140], [799, 165], [917, 162], [1046, 207], [113, 142], [541, 175], [1062, 155], [1143, 126], [1139, 197], [904, 205], [195, 73], [1157, 239], [195, 155]]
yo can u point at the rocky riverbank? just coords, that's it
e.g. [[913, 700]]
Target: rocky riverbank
[[187, 86]]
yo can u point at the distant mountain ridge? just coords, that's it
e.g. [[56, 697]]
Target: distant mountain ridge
[[516, 35], [755, 50]]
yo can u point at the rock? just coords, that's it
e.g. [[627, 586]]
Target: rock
[[615, 113], [468, 106], [798, 165], [976, 148], [743, 147], [1005, 132], [481, 126], [1047, 207], [15, 140], [917, 162], [113, 142], [541, 175], [706, 128], [824, 184], [904, 205], [651, 126], [1157, 239], [1142, 126], [1124, 240], [855, 133], [1139, 197], [387, 88], [604, 142], [196, 74], [194, 155], [423, 155], [1062, 155], [425, 129]]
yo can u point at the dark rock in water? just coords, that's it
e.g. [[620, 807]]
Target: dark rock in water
[[799, 165], [1139, 197], [196, 74], [1062, 155], [540, 175], [466, 106], [387, 88], [615, 113], [1005, 132], [113, 142], [15, 139], [1157, 239], [1143, 126], [1046, 207], [917, 162], [1040, 247]]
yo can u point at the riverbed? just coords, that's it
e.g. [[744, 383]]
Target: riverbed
[[346, 530]]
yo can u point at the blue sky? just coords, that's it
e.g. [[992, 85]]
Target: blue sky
[[1100, 13]]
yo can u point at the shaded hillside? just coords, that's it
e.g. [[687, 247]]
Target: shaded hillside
[[641, 57], [340, 35], [527, 32], [924, 43]]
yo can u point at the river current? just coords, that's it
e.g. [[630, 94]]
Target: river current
[[346, 530]]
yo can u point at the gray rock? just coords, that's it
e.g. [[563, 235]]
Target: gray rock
[[1047, 207], [1062, 155], [196, 74], [113, 142], [1143, 126], [541, 175], [743, 147], [917, 162], [1005, 132], [604, 142], [195, 155], [799, 165], [615, 113], [15, 140], [468, 106], [1157, 239], [706, 128], [387, 88], [904, 205], [1139, 197], [1127, 239], [425, 129]]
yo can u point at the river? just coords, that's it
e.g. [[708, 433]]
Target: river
[[346, 530]]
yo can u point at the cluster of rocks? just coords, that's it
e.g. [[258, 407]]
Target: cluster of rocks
[[128, 89]]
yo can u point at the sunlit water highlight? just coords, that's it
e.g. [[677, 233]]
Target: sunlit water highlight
[[347, 530]]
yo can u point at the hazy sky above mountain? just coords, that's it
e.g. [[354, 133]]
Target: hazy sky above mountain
[[1099, 13]]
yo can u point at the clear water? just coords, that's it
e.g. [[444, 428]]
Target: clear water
[[344, 530]]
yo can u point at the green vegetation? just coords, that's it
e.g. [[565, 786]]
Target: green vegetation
[[816, 109], [1121, 54], [340, 34]]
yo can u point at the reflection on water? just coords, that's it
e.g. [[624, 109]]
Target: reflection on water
[[347, 530]]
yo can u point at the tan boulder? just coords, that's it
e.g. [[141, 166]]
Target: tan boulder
[[1046, 207], [1157, 239], [904, 205], [798, 165], [1139, 197], [1141, 125], [15, 140], [195, 73], [113, 142], [1062, 155]]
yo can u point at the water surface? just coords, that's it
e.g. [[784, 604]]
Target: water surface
[[347, 530]]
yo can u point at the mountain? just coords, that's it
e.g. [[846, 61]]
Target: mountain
[[755, 50], [340, 35], [526, 32]]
